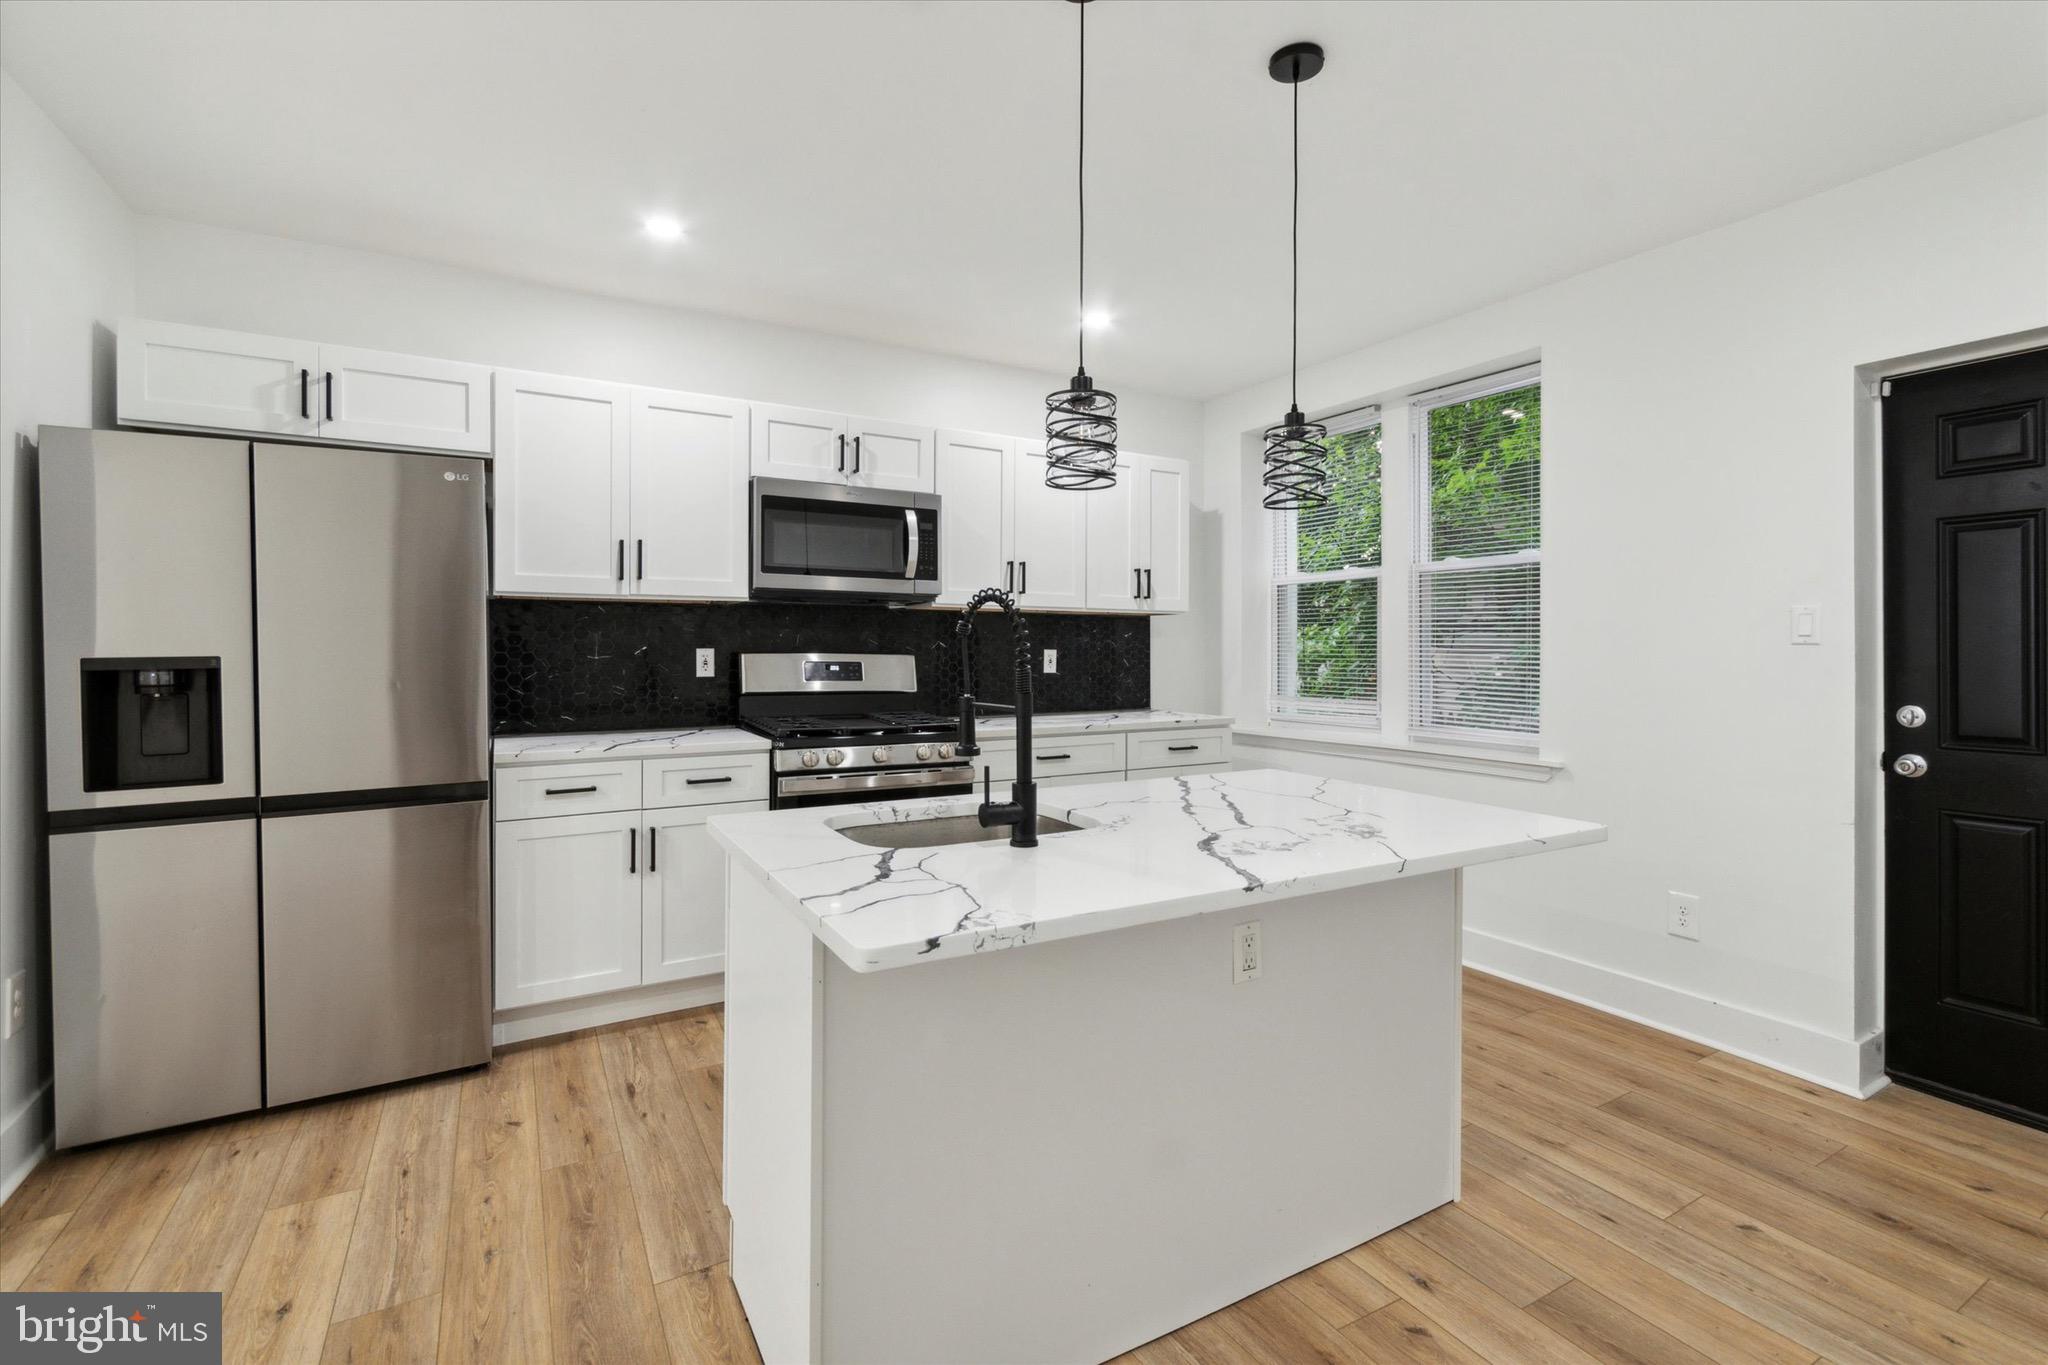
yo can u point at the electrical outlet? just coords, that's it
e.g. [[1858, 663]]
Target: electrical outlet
[[707, 663], [1244, 952], [1052, 661], [1684, 916], [17, 1003]]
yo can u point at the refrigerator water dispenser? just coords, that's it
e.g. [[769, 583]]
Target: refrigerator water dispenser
[[150, 722]]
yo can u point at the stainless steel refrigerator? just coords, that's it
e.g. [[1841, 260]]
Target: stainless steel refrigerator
[[264, 692]]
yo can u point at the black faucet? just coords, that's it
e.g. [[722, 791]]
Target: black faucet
[[1020, 812]]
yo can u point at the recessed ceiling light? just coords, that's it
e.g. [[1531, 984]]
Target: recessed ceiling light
[[1096, 319], [662, 228]]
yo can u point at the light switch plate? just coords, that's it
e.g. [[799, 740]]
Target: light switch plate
[[1806, 625], [707, 663], [1052, 661]]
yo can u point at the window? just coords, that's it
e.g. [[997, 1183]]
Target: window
[[1446, 647], [1477, 602], [1326, 587]]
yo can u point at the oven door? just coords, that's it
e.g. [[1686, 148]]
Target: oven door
[[795, 790], [814, 540]]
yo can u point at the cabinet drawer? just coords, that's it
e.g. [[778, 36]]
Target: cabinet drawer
[[1178, 749], [704, 781], [1058, 756], [567, 789]]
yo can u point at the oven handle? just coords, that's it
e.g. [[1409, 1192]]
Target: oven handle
[[912, 547], [812, 784]]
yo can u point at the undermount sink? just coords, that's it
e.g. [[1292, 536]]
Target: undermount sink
[[940, 830]]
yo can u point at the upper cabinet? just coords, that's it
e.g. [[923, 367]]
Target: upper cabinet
[[610, 491], [827, 447], [1122, 548], [172, 375]]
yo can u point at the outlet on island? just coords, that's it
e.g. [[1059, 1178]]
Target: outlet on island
[[1244, 952]]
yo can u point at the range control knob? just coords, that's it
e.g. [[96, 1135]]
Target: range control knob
[[924, 751], [836, 757], [810, 758], [945, 751], [881, 755]]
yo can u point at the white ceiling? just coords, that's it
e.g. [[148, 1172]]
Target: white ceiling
[[903, 171]]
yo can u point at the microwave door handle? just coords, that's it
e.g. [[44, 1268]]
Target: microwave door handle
[[912, 545]]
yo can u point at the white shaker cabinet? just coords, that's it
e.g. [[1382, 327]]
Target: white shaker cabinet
[[828, 447], [171, 374], [974, 473], [1159, 530], [1049, 536], [1115, 581], [567, 906], [563, 498], [689, 496], [378, 398], [682, 913]]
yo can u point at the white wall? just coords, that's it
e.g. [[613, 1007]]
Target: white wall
[[1701, 451], [222, 278], [66, 275]]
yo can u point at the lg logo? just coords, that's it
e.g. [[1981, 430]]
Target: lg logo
[[453, 477]]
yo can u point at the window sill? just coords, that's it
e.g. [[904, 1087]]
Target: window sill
[[1365, 744]]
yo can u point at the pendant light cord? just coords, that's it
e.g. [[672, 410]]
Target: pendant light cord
[[1081, 199], [1294, 254]]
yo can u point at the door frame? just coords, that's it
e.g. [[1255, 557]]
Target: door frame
[[1871, 730]]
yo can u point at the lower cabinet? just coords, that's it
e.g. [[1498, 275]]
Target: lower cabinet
[[594, 903]]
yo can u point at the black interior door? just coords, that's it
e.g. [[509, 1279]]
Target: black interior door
[[1966, 811]]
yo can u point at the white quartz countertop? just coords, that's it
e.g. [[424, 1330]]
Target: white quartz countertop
[[1078, 722], [1150, 850], [507, 750]]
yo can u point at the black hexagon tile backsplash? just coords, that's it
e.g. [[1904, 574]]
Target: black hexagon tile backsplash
[[571, 666]]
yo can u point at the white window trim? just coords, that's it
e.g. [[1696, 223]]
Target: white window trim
[[1390, 742], [1284, 711]]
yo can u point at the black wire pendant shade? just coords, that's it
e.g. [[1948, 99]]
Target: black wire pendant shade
[[1294, 475], [1080, 420]]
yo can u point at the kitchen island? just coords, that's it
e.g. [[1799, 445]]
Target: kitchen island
[[988, 1104]]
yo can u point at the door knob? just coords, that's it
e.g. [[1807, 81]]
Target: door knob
[[1910, 716], [1909, 765]]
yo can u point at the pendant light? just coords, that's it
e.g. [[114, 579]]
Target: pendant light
[[1294, 476], [1080, 420]]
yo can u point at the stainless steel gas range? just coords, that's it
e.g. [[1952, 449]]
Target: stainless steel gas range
[[845, 728]]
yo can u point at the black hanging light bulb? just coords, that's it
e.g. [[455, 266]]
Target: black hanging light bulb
[[1080, 420], [1294, 476]]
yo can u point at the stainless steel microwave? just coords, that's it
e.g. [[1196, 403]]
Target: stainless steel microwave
[[822, 540]]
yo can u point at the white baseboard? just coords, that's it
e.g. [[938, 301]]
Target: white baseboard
[[24, 1140], [1854, 1066], [566, 1016]]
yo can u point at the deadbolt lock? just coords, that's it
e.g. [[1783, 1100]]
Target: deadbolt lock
[[1909, 765], [1910, 716]]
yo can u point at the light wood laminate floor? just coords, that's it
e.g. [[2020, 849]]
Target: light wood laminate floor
[[1629, 1196]]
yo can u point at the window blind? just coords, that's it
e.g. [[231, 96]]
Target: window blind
[[1477, 617], [1325, 585]]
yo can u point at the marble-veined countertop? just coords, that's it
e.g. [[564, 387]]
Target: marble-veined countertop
[[1149, 850], [507, 750]]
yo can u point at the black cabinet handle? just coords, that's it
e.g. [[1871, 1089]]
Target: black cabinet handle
[[639, 560], [632, 850], [1182, 748], [569, 791], [1148, 585], [622, 561], [856, 454], [1009, 575], [1023, 577], [305, 403], [651, 855], [1052, 758], [842, 454], [330, 395], [704, 781], [1137, 584]]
